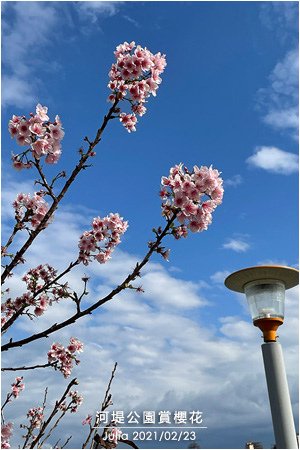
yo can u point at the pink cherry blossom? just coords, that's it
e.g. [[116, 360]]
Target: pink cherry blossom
[[63, 358], [30, 209], [18, 164], [35, 280], [75, 345], [42, 137], [36, 128], [41, 112], [100, 242], [56, 132], [36, 417], [6, 433], [23, 128], [87, 420], [17, 387], [129, 121], [39, 148], [192, 196], [134, 77], [77, 400]]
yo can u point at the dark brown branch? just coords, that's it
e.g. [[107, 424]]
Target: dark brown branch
[[44, 181], [15, 369], [124, 285], [67, 441], [18, 226]]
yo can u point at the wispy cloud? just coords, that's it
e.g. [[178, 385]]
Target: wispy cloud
[[219, 277], [30, 30], [95, 9], [131, 20], [279, 101], [281, 18], [234, 181], [27, 27], [238, 245], [90, 14], [274, 160]]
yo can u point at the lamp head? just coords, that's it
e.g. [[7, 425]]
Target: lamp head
[[265, 288]]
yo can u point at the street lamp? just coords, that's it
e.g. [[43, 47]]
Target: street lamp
[[265, 288]]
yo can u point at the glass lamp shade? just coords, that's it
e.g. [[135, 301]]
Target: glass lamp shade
[[265, 298]]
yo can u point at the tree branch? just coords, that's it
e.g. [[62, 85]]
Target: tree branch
[[15, 369]]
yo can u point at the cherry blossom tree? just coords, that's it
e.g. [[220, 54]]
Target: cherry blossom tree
[[188, 199]]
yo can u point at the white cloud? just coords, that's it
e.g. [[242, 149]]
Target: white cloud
[[274, 160], [281, 18], [233, 181], [280, 99], [219, 277], [93, 10], [286, 118], [18, 92], [131, 20], [171, 292], [237, 245]]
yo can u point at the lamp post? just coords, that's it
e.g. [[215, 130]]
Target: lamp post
[[265, 287]]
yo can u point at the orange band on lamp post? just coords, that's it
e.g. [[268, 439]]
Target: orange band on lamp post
[[269, 327], [265, 288]]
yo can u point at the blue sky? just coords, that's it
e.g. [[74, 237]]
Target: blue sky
[[229, 97]]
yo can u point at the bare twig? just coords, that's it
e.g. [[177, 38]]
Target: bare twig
[[15, 369], [44, 180], [67, 441], [105, 404], [107, 396]]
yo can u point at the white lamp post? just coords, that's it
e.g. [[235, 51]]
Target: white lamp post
[[265, 287]]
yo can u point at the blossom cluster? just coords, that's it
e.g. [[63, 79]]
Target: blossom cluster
[[193, 196], [42, 136], [62, 358], [6, 433], [36, 417], [87, 420], [31, 209], [17, 387], [135, 76], [36, 279], [76, 400], [106, 231]]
